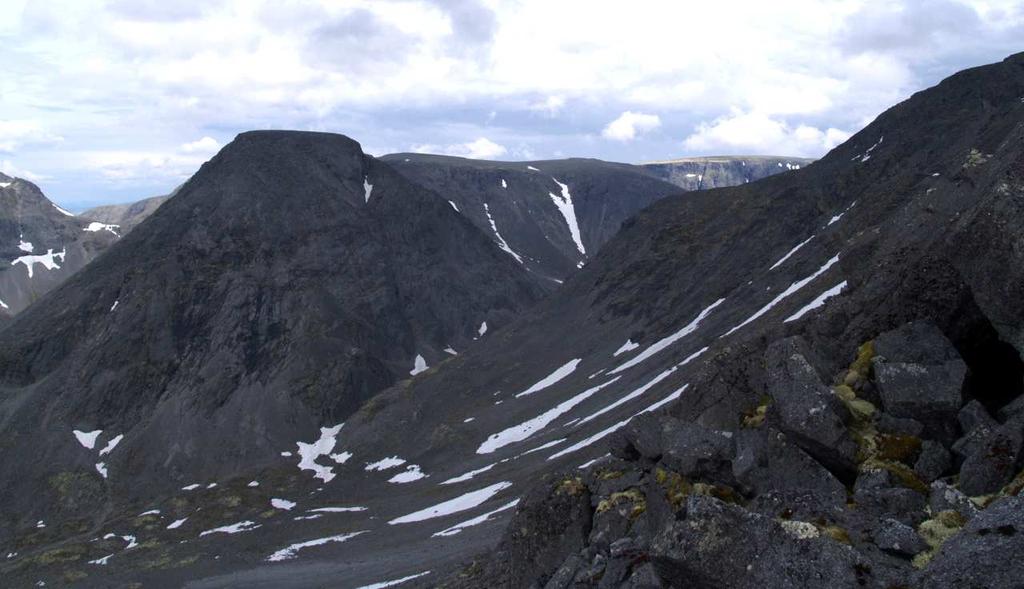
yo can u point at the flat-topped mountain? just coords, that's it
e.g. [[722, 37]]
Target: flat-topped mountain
[[702, 173]]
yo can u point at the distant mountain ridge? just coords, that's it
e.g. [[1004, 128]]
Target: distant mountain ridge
[[703, 173], [127, 215], [41, 244]]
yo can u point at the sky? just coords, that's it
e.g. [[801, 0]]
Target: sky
[[106, 101]]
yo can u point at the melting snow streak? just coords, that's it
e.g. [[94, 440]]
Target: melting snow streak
[[552, 378], [501, 240], [819, 301], [668, 341], [457, 528], [565, 206], [460, 503]]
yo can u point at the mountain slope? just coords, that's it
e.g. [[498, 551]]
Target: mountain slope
[[43, 244], [697, 348], [550, 215], [702, 173], [287, 282], [128, 215]]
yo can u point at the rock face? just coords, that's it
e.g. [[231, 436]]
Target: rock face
[[702, 173], [42, 244], [704, 316], [128, 215], [276, 292], [551, 216]]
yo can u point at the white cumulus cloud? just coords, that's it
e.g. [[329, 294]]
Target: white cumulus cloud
[[207, 145], [759, 133], [629, 125], [480, 149]]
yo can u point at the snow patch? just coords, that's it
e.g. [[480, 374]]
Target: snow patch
[[64, 211], [818, 301], [393, 582], [282, 504], [629, 346], [96, 226], [483, 329], [467, 476], [385, 464], [612, 429], [47, 260], [532, 169], [562, 372], [289, 552], [450, 350], [114, 306], [418, 365], [790, 290], [524, 430], [191, 487], [177, 523], [629, 397], [25, 246], [87, 439], [243, 526], [367, 188], [253, 484], [565, 206], [101, 467], [668, 341], [341, 457], [101, 561], [454, 206], [460, 503], [457, 528], [503, 183], [321, 447], [336, 509], [500, 240], [111, 444], [411, 473], [791, 252]]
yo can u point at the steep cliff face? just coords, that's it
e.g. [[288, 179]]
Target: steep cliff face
[[702, 173], [41, 245], [551, 216]]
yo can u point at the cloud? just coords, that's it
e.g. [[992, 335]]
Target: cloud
[[760, 134], [480, 149], [629, 125], [8, 168], [15, 134], [549, 106], [207, 145]]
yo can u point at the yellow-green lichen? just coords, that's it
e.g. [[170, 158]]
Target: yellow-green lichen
[[935, 532]]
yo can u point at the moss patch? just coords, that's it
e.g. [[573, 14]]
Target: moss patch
[[633, 496], [935, 532], [571, 486], [755, 417]]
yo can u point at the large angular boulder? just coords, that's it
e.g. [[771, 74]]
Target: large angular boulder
[[698, 452], [986, 553], [995, 462], [898, 538], [920, 375], [724, 545], [807, 410], [767, 463]]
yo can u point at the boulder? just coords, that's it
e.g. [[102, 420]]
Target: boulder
[[641, 437], [920, 375], [643, 577], [974, 415], [945, 497], [897, 538], [1014, 408], [766, 461], [806, 410], [986, 553], [698, 452], [724, 545], [933, 462], [994, 463]]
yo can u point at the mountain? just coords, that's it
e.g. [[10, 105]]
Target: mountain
[[127, 215], [288, 281], [702, 173], [44, 244], [551, 216], [813, 380]]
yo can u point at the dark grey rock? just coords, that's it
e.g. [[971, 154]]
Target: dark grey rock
[[974, 415], [1014, 408], [898, 538], [904, 426], [920, 375], [984, 554], [563, 577], [723, 545], [641, 437], [988, 467], [933, 462], [945, 497], [698, 452], [767, 461], [807, 410], [643, 577], [905, 505]]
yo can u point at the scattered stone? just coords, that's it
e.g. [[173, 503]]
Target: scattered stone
[[898, 538], [973, 415], [945, 497], [698, 452], [933, 462]]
